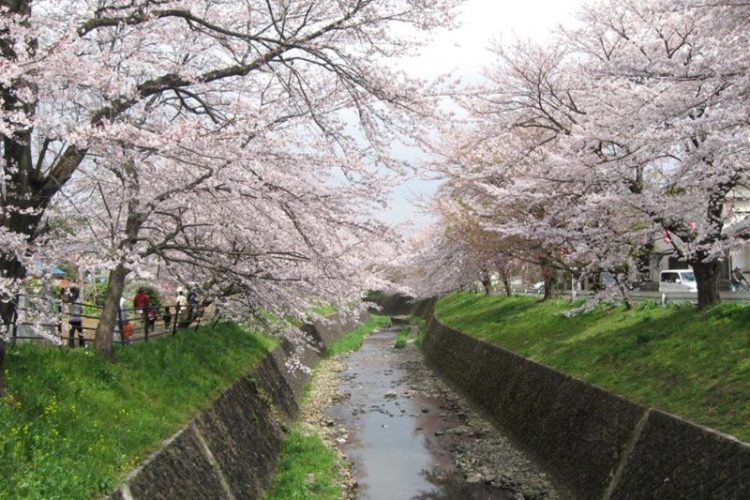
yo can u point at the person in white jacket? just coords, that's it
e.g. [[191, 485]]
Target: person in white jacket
[[122, 321], [183, 311]]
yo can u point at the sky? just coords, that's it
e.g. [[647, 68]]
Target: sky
[[464, 52]]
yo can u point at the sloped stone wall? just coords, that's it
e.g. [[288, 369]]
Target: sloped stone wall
[[596, 444], [676, 459], [577, 431], [230, 450]]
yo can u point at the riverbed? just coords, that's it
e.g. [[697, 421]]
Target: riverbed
[[406, 435]]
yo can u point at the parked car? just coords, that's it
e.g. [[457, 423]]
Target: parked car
[[538, 288], [678, 280]]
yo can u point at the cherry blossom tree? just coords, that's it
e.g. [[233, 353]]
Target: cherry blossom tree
[[673, 94], [456, 251], [435, 264], [244, 228], [631, 126], [501, 162], [78, 74]]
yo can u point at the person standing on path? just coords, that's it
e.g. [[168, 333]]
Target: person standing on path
[[738, 281], [141, 302], [75, 320], [167, 317], [181, 303], [150, 318], [122, 321]]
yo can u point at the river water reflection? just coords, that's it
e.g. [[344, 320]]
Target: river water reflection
[[393, 428]]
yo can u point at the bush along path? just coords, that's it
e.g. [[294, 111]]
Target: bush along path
[[400, 432]]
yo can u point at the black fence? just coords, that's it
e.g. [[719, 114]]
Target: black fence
[[60, 323]]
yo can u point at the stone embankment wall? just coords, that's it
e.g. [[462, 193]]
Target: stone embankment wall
[[230, 450], [595, 444]]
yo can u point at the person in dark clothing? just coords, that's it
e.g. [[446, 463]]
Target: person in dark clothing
[[167, 317], [75, 321], [150, 319]]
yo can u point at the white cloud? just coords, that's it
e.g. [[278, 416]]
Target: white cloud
[[483, 21]]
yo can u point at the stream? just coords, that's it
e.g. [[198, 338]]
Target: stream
[[407, 435]]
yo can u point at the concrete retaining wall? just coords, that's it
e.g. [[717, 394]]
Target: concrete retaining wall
[[673, 458], [230, 450], [577, 431], [595, 444]]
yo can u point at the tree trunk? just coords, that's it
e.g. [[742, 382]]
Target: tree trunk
[[504, 274], [549, 274], [2, 367], [487, 283], [16, 152], [506, 284], [624, 293], [707, 278], [108, 318]]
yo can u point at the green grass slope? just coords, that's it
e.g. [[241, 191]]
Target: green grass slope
[[307, 470], [692, 363], [73, 424], [353, 340]]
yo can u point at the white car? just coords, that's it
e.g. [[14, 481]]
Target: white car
[[538, 288], [678, 280]]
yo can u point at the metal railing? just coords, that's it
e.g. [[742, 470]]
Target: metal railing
[[643, 295], [131, 325]]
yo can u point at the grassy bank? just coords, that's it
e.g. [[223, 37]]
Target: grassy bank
[[402, 338], [353, 340], [73, 424], [692, 363], [307, 469]]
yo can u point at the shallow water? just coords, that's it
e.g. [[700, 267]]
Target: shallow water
[[392, 428]]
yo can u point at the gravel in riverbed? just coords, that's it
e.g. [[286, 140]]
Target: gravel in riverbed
[[479, 452], [323, 393], [481, 456]]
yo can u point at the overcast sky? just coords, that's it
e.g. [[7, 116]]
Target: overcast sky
[[464, 52]]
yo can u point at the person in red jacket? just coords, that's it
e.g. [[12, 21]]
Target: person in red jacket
[[141, 299], [141, 302]]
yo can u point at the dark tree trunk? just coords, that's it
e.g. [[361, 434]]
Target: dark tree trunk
[[624, 293], [502, 272], [109, 315], [487, 283], [549, 274], [16, 151], [2, 367], [506, 284], [707, 278], [12, 268], [117, 275]]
